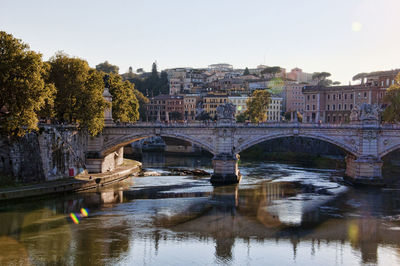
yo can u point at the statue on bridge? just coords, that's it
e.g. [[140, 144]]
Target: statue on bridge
[[226, 113], [366, 113]]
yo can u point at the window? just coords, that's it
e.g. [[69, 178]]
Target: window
[[333, 107], [328, 118], [334, 119], [327, 107], [308, 97], [365, 95], [340, 96], [340, 118], [313, 107], [334, 96], [345, 96], [345, 106], [387, 82], [351, 96], [308, 107], [329, 96], [313, 96], [339, 106], [351, 107]]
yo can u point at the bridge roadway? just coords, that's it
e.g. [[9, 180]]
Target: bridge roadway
[[365, 144]]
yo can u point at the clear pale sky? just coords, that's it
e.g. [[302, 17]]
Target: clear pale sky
[[343, 37]]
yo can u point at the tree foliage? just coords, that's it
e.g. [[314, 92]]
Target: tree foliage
[[246, 71], [79, 95], [142, 100], [392, 98], [241, 118], [23, 92], [152, 85], [271, 71], [106, 67], [124, 105], [322, 78], [257, 106]]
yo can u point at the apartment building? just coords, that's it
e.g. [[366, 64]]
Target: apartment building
[[294, 97], [274, 109], [165, 107], [239, 102], [334, 104], [212, 101], [190, 102]]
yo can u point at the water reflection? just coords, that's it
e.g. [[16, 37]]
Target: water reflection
[[264, 220]]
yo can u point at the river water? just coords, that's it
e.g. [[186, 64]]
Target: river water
[[279, 214]]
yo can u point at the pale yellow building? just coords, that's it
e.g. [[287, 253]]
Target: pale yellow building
[[212, 101]]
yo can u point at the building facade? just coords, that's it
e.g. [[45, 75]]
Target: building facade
[[165, 107], [294, 97], [212, 101], [190, 102], [334, 104], [239, 102], [274, 109]]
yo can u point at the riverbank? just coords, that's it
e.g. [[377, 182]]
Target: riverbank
[[78, 183]]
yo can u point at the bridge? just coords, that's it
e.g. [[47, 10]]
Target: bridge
[[364, 140]]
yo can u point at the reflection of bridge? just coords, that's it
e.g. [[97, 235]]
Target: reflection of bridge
[[365, 145], [365, 141]]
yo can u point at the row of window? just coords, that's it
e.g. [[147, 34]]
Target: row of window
[[339, 107]]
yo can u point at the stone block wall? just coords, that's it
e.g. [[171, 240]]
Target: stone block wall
[[42, 156]]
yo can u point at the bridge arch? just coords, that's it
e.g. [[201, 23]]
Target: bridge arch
[[390, 149], [121, 141], [254, 141]]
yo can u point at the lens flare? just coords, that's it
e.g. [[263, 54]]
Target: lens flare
[[74, 218], [84, 212], [356, 26]]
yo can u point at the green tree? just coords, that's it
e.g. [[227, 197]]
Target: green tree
[[271, 71], [257, 106], [336, 83], [321, 78], [107, 68], [246, 71], [241, 118], [91, 104], [392, 98], [164, 83], [23, 91], [79, 95], [142, 100], [124, 105]]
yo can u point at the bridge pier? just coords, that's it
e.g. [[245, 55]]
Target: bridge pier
[[364, 170], [226, 169], [106, 163]]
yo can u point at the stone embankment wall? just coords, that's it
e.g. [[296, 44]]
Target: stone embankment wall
[[49, 154]]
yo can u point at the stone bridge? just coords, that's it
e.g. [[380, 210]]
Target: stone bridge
[[365, 142]]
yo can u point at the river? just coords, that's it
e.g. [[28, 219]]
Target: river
[[279, 214]]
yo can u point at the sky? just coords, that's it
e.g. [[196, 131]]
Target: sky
[[343, 37]]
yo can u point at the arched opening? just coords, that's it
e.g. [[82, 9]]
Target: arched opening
[[112, 154], [167, 151], [307, 151], [391, 166]]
